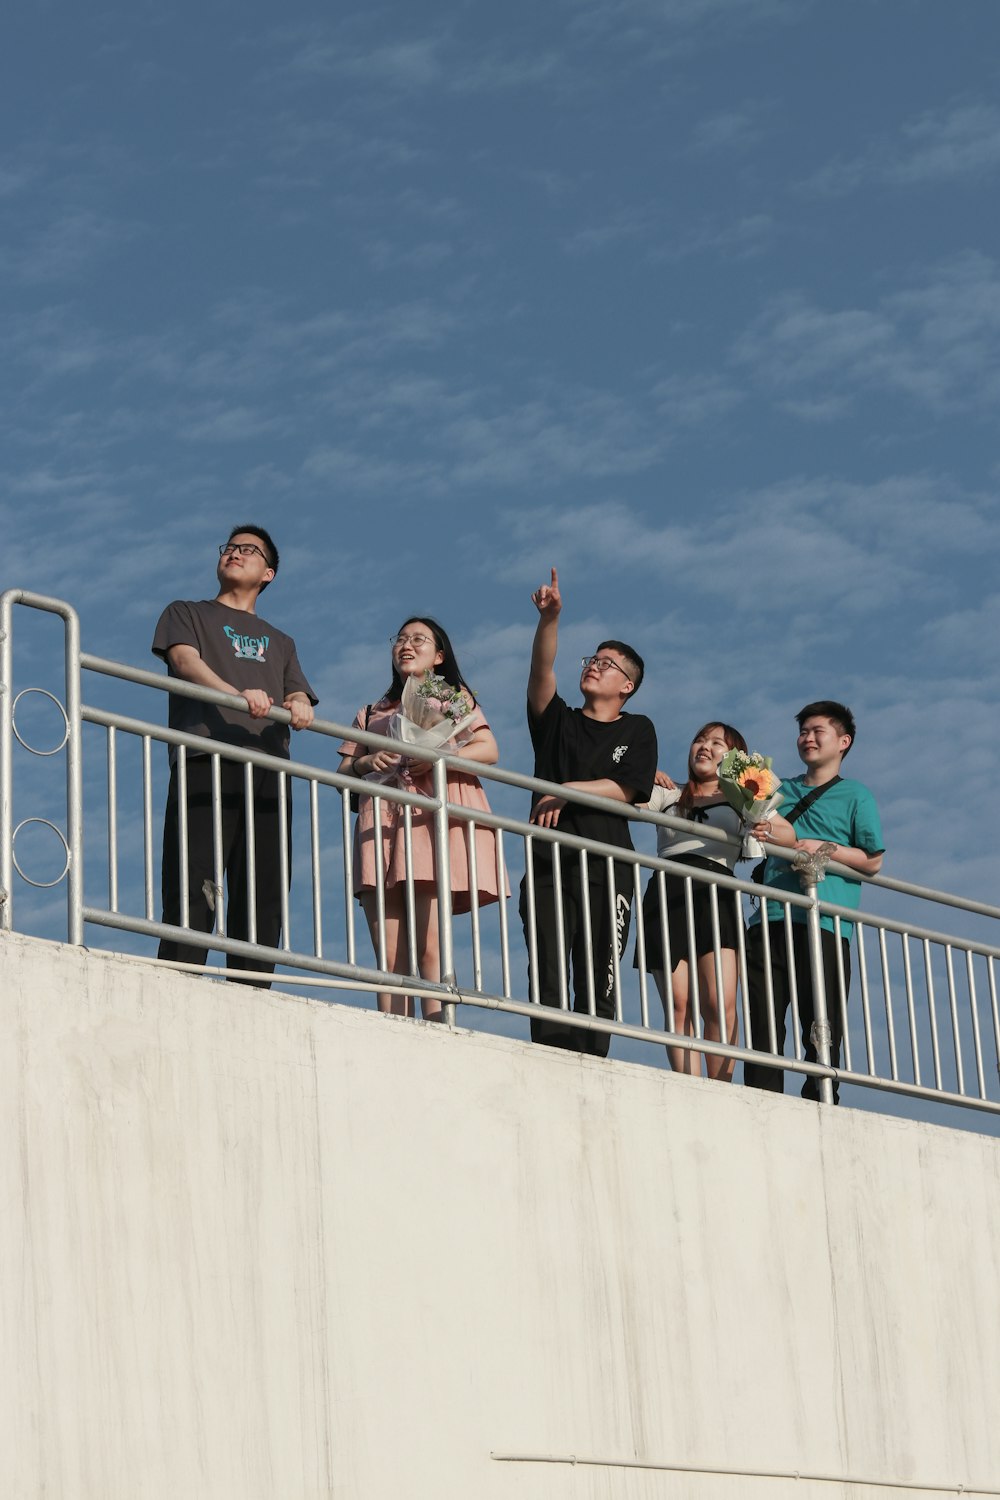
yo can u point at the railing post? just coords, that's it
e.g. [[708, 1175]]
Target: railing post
[[442, 850], [6, 759], [74, 766], [810, 874], [74, 781]]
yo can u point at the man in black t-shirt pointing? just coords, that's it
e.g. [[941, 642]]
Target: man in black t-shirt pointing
[[223, 643], [602, 750]]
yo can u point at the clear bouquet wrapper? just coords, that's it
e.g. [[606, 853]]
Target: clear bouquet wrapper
[[752, 789], [431, 712]]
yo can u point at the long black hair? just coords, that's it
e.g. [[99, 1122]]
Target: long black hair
[[448, 669]]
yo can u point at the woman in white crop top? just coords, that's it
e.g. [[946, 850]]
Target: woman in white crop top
[[700, 802]]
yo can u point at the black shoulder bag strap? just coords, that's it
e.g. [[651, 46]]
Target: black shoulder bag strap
[[356, 796], [813, 795]]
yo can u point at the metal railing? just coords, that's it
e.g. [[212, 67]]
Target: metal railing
[[925, 1023]]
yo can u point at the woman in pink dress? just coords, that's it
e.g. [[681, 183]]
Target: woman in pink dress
[[420, 646]]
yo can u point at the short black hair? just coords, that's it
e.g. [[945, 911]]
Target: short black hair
[[269, 547], [839, 714], [634, 662]]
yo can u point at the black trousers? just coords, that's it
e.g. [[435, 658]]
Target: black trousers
[[607, 936], [201, 861], [755, 1075]]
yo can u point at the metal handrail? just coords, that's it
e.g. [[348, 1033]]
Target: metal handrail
[[954, 1019]]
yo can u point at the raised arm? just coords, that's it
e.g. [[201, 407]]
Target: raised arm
[[542, 676]]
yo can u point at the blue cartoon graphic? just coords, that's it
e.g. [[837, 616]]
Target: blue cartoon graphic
[[248, 647]]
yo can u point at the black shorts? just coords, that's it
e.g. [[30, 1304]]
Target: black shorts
[[730, 916]]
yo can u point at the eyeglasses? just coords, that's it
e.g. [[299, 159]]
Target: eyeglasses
[[602, 663], [412, 640], [245, 549]]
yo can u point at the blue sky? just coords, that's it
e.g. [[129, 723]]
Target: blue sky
[[697, 299]]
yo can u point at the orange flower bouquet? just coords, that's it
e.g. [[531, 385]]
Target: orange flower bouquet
[[751, 787]]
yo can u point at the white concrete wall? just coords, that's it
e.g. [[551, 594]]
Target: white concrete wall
[[253, 1246]]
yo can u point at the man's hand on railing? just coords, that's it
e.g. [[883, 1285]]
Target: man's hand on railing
[[301, 710], [546, 812], [259, 703]]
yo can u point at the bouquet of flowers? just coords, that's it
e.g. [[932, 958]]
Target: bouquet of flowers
[[751, 787], [431, 712]]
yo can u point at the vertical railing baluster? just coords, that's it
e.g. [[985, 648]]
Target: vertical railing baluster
[[932, 1013], [910, 1008], [442, 850], [890, 1028], [953, 1008], [640, 947], [866, 1010], [182, 836], [472, 853], [284, 791], [316, 870], [587, 930], [501, 864], [112, 819], [218, 848], [977, 1041], [250, 824]]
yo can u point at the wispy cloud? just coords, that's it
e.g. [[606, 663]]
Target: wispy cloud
[[936, 342], [626, 224], [466, 443], [690, 400], [415, 63], [676, 23], [730, 131], [959, 142], [219, 423], [14, 177], [828, 544], [738, 240], [499, 72], [325, 141], [440, 60], [426, 256], [65, 246]]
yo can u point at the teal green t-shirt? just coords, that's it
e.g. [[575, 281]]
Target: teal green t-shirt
[[845, 814]]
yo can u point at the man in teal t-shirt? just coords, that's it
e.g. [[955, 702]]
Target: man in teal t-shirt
[[843, 814]]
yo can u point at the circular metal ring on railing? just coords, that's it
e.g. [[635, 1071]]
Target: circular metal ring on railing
[[41, 885], [17, 734]]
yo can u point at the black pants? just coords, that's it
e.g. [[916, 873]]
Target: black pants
[[201, 861], [607, 935], [755, 1075]]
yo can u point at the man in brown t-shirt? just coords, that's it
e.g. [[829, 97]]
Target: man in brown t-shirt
[[223, 643]]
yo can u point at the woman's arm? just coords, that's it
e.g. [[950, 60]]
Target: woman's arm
[[481, 746], [368, 761]]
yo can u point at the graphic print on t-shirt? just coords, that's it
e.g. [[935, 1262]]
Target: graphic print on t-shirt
[[248, 647]]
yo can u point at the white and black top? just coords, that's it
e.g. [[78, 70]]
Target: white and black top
[[672, 843]]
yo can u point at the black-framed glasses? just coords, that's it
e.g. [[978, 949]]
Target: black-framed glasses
[[412, 640], [602, 663], [245, 549]]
